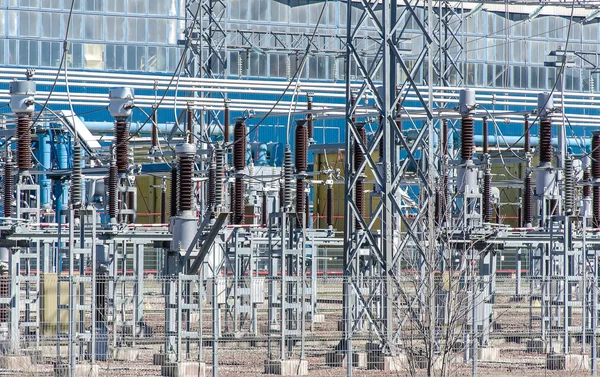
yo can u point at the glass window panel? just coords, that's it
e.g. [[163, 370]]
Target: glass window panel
[[157, 59], [94, 27], [13, 21], [298, 10], [136, 29], [173, 32], [2, 42], [342, 13], [93, 56], [51, 25], [76, 55], [590, 31], [29, 24], [115, 28], [52, 4], [117, 6], [136, 6], [95, 5], [2, 22], [254, 9], [115, 57], [519, 25], [29, 3], [29, 53], [157, 30], [76, 27], [314, 10], [12, 52], [158, 7]]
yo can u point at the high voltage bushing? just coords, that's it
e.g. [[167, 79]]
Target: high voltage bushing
[[8, 188], [212, 173], [174, 190], [219, 173], [546, 182], [287, 178], [239, 146], [76, 178], [113, 202], [596, 178], [120, 106], [226, 122], [154, 127], [487, 177], [239, 163], [22, 99], [569, 186], [301, 158], [359, 157], [467, 174], [527, 217], [190, 124], [185, 185]]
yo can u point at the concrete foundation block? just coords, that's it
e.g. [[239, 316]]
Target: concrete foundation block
[[20, 363], [488, 354], [125, 354], [318, 318], [81, 370], [183, 369], [288, 367], [577, 362], [536, 346]]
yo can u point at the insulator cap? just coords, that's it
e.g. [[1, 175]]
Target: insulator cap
[[466, 101], [545, 103], [120, 102], [22, 96]]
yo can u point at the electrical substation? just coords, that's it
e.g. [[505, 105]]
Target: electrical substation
[[398, 188]]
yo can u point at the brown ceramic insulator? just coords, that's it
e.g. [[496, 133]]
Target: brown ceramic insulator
[[9, 180], [359, 200], [466, 139], [545, 141], [24, 143], [76, 179], [174, 190], [569, 188], [163, 207], [122, 145], [444, 197], [239, 201], [596, 206], [596, 155], [527, 201], [185, 184], [212, 175], [301, 158], [309, 106], [239, 146], [330, 206], [232, 202], [219, 175], [264, 215], [299, 201], [487, 196], [113, 201], [287, 177], [587, 189]]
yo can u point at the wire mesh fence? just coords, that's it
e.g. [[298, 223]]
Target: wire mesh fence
[[246, 326]]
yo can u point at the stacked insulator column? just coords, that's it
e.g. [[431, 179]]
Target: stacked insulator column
[[301, 158], [587, 188], [546, 183], [122, 145], [174, 190], [76, 179], [113, 202], [219, 173], [467, 174], [487, 178], [286, 191], [212, 175], [596, 179], [527, 214], [239, 163], [359, 157], [185, 184], [569, 186], [8, 188], [22, 104], [330, 206]]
